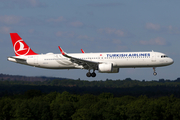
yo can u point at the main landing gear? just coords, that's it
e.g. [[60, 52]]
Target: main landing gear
[[155, 73], [89, 74]]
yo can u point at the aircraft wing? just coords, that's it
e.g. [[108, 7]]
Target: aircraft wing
[[85, 63]]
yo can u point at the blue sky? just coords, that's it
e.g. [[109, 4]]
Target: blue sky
[[95, 26]]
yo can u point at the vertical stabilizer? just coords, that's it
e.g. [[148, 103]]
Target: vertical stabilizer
[[20, 47]]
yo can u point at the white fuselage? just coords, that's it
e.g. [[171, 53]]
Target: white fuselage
[[103, 62], [118, 59]]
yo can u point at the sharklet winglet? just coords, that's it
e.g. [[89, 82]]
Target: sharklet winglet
[[61, 50]]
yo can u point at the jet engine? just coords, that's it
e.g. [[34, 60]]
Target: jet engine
[[107, 68]]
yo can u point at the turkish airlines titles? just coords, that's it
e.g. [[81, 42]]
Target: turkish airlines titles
[[130, 55]]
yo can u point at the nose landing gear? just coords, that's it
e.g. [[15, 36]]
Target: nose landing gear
[[155, 73]]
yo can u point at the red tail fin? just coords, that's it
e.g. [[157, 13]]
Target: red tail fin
[[20, 47]]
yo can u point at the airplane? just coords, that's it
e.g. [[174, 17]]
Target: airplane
[[106, 62]]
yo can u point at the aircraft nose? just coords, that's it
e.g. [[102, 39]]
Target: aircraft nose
[[171, 61]]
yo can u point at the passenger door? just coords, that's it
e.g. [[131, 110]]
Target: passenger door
[[153, 58]]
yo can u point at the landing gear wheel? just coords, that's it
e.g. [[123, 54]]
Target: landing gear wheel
[[88, 74], [93, 74], [154, 73]]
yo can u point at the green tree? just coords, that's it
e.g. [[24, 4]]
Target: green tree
[[106, 95], [23, 111], [134, 108], [85, 101], [175, 111], [6, 109], [63, 106], [82, 114], [32, 93], [50, 97], [39, 109]]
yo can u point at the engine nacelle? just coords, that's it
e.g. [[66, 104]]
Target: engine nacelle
[[107, 68]]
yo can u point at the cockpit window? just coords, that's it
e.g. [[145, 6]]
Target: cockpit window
[[164, 56]]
